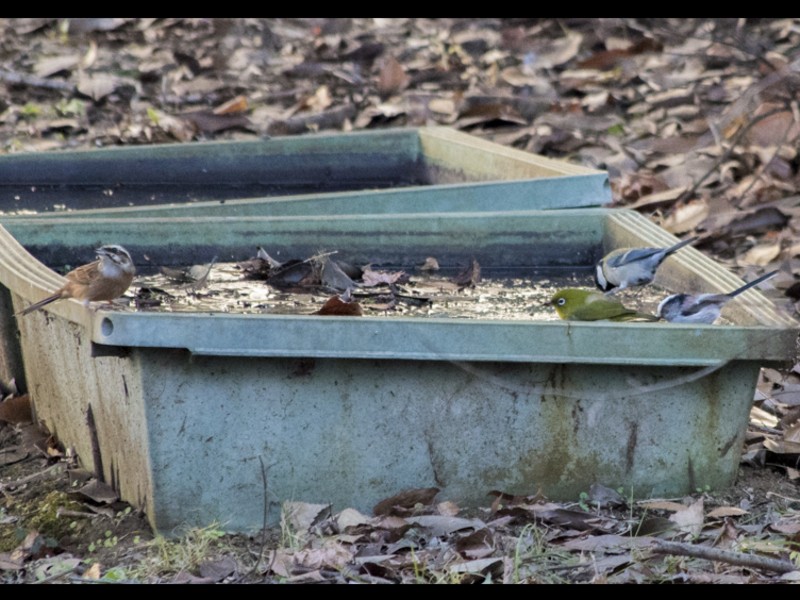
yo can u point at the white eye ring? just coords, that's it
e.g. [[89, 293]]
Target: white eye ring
[[561, 301]]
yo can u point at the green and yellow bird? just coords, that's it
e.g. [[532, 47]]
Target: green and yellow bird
[[576, 304]]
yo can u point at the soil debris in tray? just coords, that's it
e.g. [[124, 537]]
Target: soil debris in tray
[[496, 295]]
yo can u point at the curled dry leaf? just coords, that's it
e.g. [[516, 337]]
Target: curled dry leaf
[[470, 276], [350, 517], [440, 525], [443, 106], [218, 569], [686, 217], [372, 278], [392, 78], [99, 492], [760, 255], [430, 264], [726, 511], [559, 51], [235, 105], [94, 572], [332, 275], [478, 544], [782, 446], [98, 86], [482, 566], [448, 508], [51, 65], [777, 128], [331, 554], [16, 409], [405, 501], [181, 130], [759, 220], [690, 519], [335, 305], [652, 201], [301, 516]]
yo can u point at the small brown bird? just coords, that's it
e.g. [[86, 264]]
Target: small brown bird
[[105, 279]]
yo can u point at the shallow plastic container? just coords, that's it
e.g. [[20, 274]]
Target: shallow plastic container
[[350, 410], [431, 169]]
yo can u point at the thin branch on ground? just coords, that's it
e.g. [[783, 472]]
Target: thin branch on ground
[[726, 556], [13, 78]]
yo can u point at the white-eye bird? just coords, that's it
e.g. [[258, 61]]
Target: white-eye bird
[[626, 267], [701, 308], [576, 304]]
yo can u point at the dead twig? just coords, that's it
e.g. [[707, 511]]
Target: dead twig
[[763, 168], [329, 119], [726, 154], [29, 478], [61, 512], [787, 498], [264, 471], [13, 78], [726, 556], [55, 576]]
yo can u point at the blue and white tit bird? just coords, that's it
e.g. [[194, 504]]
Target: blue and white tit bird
[[701, 308], [626, 267]]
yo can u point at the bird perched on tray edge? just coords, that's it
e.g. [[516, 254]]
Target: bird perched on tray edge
[[626, 267], [701, 308], [576, 304], [104, 279]]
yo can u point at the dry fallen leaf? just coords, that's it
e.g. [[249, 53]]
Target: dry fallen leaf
[[777, 128], [16, 409], [726, 511], [760, 255], [99, 492], [302, 516], [50, 65], [98, 86], [217, 569], [478, 544], [442, 525], [331, 554], [405, 501], [372, 278], [235, 105], [392, 77], [686, 217], [350, 517], [782, 446], [690, 519], [448, 508], [93, 572], [559, 51], [336, 305]]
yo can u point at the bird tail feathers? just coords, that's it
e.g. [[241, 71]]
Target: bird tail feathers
[[38, 305]]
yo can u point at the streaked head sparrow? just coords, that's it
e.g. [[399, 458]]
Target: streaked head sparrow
[[105, 279]]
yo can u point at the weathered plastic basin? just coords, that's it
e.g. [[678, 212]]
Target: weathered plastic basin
[[352, 410], [434, 169]]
